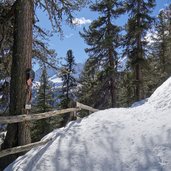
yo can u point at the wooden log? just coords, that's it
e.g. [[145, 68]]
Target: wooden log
[[85, 107], [23, 148], [21, 118]]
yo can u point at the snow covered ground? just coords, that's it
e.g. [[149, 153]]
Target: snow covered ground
[[121, 139]]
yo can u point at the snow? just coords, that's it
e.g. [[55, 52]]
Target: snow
[[56, 80], [2, 137], [54, 74], [36, 85], [122, 64], [139, 103], [121, 139]]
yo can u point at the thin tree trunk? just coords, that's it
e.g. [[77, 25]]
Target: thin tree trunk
[[112, 80], [19, 134], [138, 82], [138, 69]]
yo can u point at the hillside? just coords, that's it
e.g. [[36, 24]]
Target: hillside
[[121, 139], [53, 75]]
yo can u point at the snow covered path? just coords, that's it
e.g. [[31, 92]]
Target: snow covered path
[[122, 139]]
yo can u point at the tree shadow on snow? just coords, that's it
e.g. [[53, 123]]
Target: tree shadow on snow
[[71, 151], [155, 153]]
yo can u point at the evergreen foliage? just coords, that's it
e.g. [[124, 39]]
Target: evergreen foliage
[[45, 101], [87, 93], [23, 13], [103, 38], [68, 88], [125, 89], [6, 40], [69, 82], [102, 85], [159, 52], [161, 47], [138, 24], [44, 104]]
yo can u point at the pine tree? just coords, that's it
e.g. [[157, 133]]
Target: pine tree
[[103, 38], [138, 24], [69, 84], [6, 40], [90, 91], [126, 89], [23, 12], [22, 54], [45, 101], [159, 52], [44, 104], [88, 82], [161, 47]]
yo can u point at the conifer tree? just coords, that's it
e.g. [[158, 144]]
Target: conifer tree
[[126, 89], [19, 134], [44, 104], [45, 101], [103, 38], [90, 91], [159, 52], [138, 24], [88, 82], [69, 84], [23, 12], [162, 39]]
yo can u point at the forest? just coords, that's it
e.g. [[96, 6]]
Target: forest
[[102, 83]]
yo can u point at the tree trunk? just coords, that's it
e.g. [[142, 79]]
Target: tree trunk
[[112, 78], [19, 134], [138, 68], [111, 64], [138, 82]]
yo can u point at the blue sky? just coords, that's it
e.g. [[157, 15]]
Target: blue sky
[[72, 39]]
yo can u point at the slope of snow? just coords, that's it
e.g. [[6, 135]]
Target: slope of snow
[[161, 98], [121, 139]]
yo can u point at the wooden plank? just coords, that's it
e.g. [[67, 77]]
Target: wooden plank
[[23, 148], [21, 118], [85, 107]]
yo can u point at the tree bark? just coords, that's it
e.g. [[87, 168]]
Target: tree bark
[[112, 80], [111, 63], [19, 134], [138, 85], [138, 68]]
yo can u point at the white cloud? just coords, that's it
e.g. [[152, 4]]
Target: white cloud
[[69, 35], [81, 21]]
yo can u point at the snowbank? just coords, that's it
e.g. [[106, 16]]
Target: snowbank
[[123, 139], [161, 98]]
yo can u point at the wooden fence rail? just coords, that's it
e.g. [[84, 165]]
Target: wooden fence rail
[[23, 148], [22, 118], [85, 107]]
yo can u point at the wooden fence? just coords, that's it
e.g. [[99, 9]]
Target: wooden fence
[[85, 107], [23, 118]]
